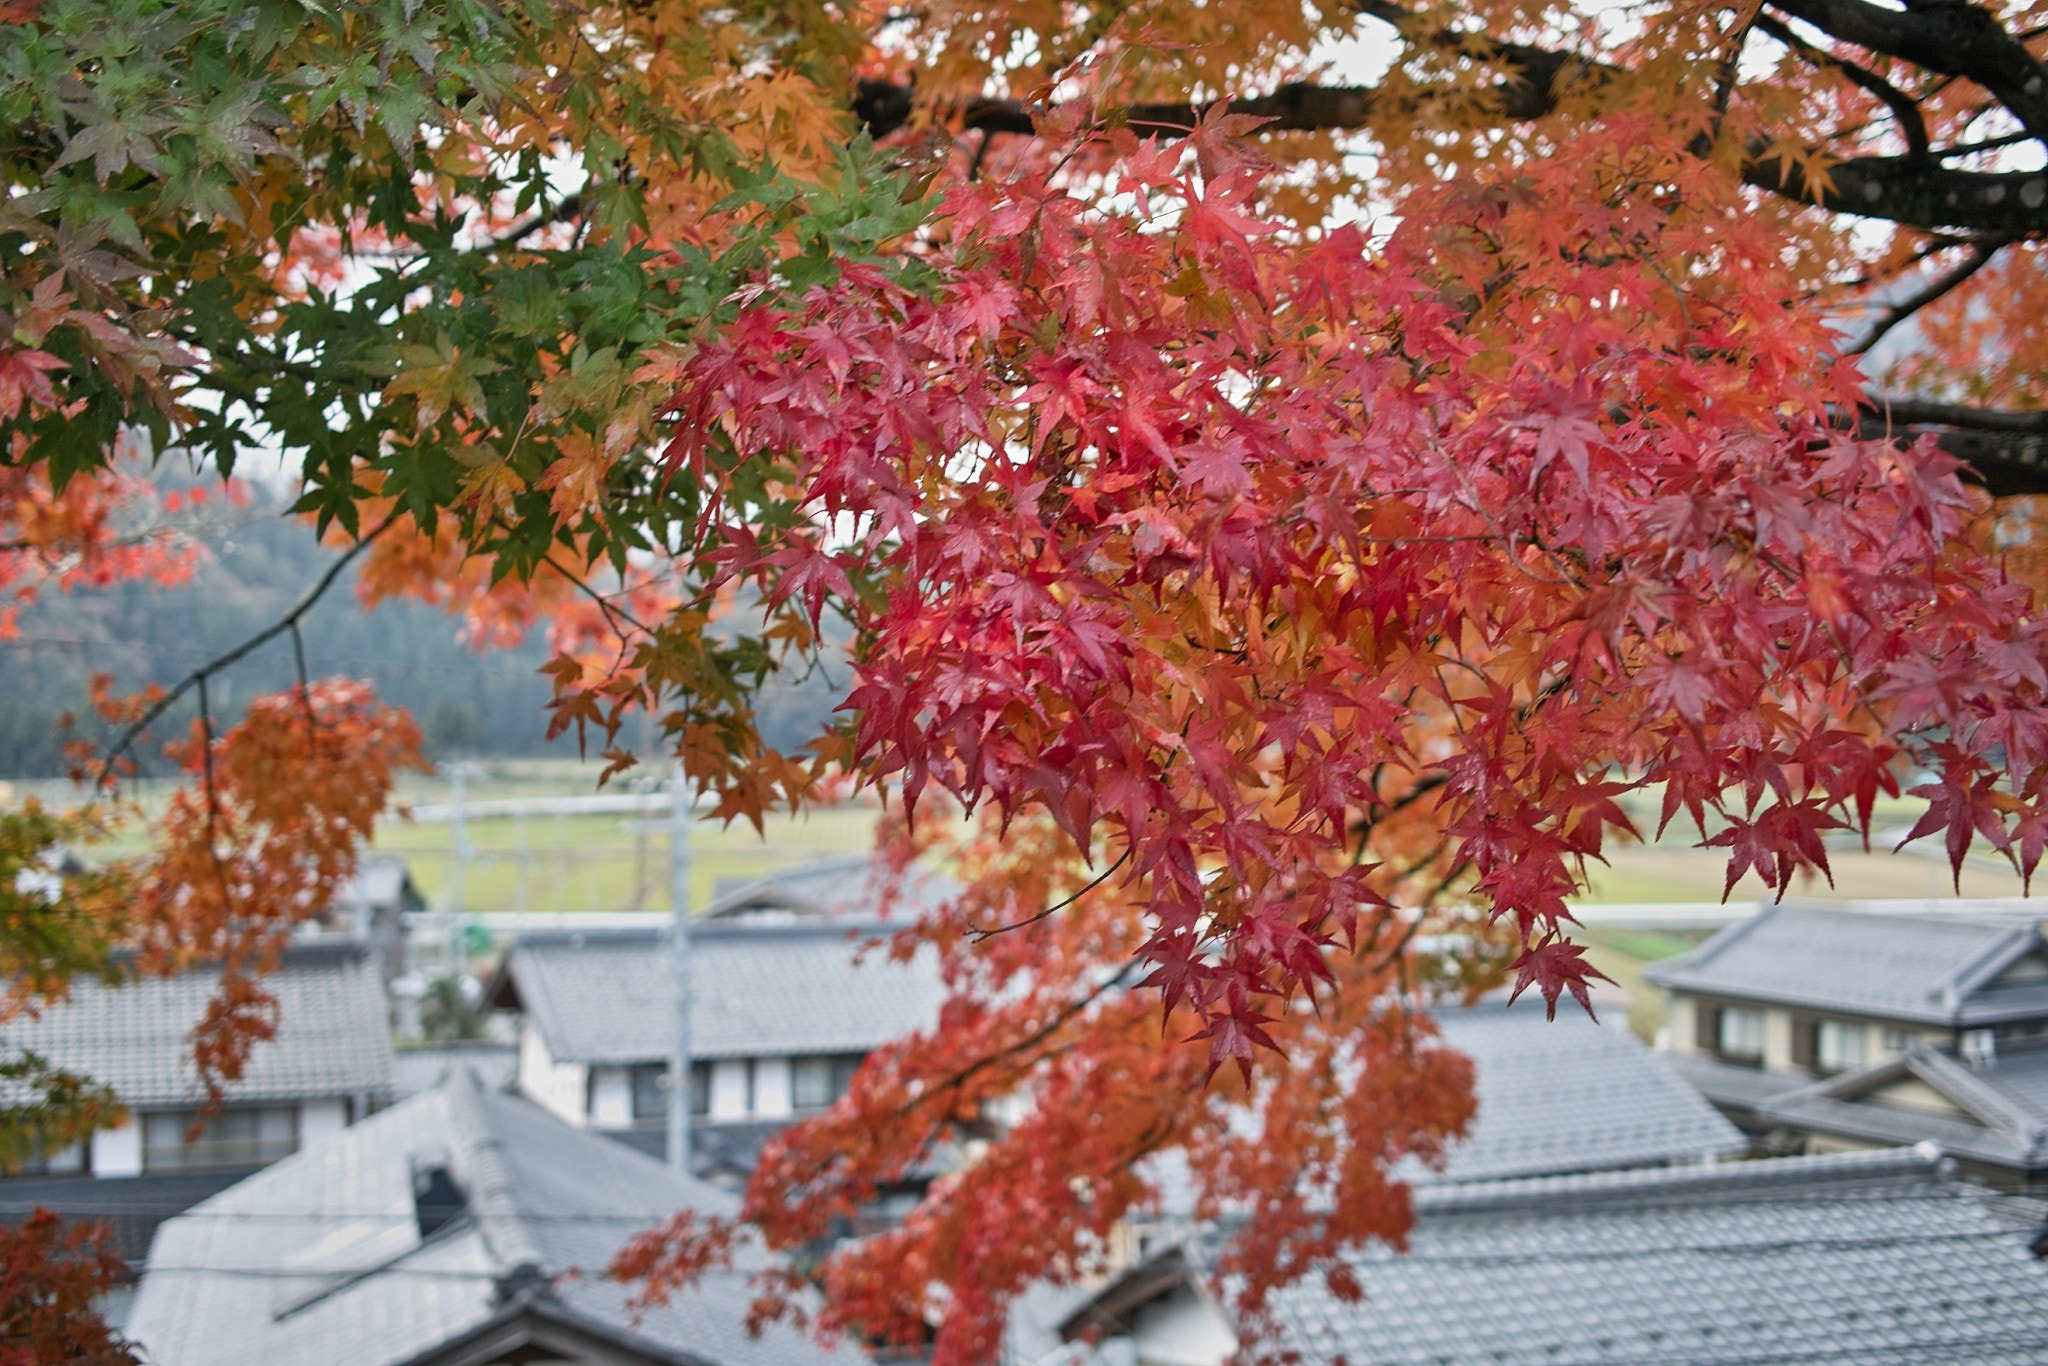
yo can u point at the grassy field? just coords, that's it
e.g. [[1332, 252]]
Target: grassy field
[[608, 862]]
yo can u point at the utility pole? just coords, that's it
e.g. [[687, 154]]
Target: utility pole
[[458, 890], [458, 899], [681, 809]]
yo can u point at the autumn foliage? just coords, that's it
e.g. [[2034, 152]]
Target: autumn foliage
[[1290, 496], [50, 1275]]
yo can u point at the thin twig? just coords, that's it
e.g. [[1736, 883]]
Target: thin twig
[[1056, 907], [197, 678], [206, 757], [1029, 1041], [1725, 78], [1979, 257], [519, 232], [305, 685], [613, 615]]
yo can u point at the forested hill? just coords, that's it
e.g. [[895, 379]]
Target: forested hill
[[256, 563]]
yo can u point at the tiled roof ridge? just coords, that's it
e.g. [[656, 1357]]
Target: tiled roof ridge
[[2016, 943], [1940, 1070], [780, 879], [1955, 1135], [488, 1181], [849, 928], [295, 953], [1825, 1174]]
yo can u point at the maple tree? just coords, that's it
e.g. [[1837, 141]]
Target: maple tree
[[1293, 509]]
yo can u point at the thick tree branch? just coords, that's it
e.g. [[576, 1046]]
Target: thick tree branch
[[1904, 111], [1945, 36], [1948, 37], [2003, 465], [1909, 189], [1924, 412], [2007, 451]]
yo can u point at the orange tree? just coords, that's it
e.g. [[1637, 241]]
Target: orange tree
[[1290, 468]]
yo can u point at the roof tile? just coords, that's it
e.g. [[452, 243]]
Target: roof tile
[[539, 1193], [1907, 967], [756, 991], [332, 1036]]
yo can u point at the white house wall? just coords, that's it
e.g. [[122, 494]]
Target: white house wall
[[320, 1120], [118, 1152], [561, 1087], [730, 1098], [772, 1089], [611, 1097], [1183, 1328]]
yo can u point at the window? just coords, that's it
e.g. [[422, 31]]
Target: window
[[815, 1083], [231, 1138], [1838, 1046], [1979, 1047], [649, 1083], [1740, 1034], [650, 1091], [1899, 1040], [68, 1160]]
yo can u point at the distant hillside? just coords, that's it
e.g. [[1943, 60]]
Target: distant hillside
[[259, 562]]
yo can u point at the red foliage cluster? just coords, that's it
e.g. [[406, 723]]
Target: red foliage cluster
[[1216, 541], [50, 1276], [264, 837]]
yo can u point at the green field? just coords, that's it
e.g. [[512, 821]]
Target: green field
[[582, 862], [607, 862]]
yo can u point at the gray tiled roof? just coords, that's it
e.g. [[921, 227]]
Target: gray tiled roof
[[756, 991], [1863, 1258], [850, 887], [2005, 1105], [1571, 1095], [1732, 1086], [332, 1039], [381, 880], [1563, 1095], [239, 1279], [1927, 969]]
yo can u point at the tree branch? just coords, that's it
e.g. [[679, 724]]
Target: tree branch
[[1904, 110], [1057, 906], [1946, 36], [1925, 412], [2007, 452], [197, 678], [565, 208], [1906, 189], [1979, 257]]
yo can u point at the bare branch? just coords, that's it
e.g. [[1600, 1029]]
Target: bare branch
[[1979, 257], [1057, 906], [197, 678]]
